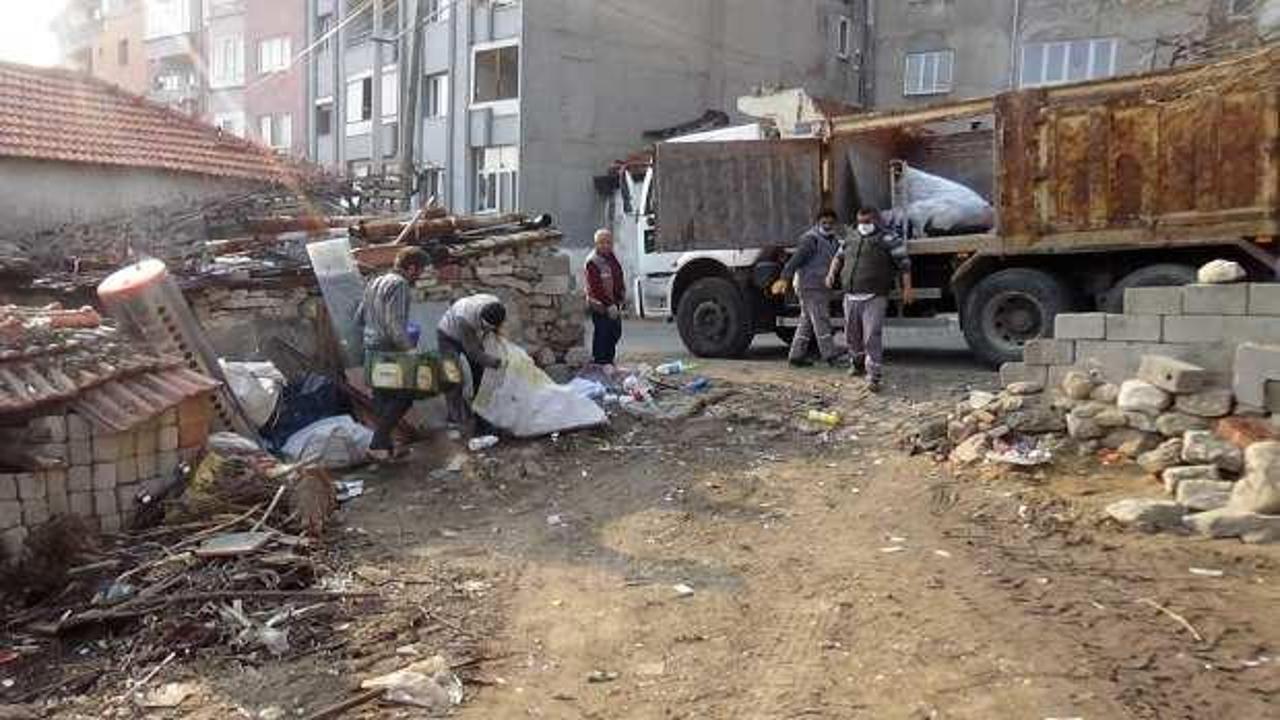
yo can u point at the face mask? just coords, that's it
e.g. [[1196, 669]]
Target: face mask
[[866, 228]]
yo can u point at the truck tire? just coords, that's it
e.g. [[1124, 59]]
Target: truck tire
[[714, 319], [1008, 308], [1159, 275]]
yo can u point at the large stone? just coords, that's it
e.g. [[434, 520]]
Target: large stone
[[1204, 494], [1165, 456], [1259, 490], [1025, 388], [1220, 272], [1147, 515], [1035, 419], [1141, 396], [1176, 424], [971, 450], [1012, 373], [1255, 366], [1212, 403], [1090, 409], [1200, 447], [1131, 443], [1141, 421], [1112, 418], [1084, 428], [1175, 476], [1229, 523], [1245, 431], [1077, 385], [1172, 375], [1105, 393]]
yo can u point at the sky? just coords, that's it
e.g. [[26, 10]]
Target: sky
[[25, 36]]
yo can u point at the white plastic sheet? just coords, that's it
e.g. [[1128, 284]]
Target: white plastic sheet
[[335, 442], [522, 400], [257, 385], [943, 205]]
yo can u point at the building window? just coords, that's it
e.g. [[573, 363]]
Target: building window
[[122, 52], [274, 54], [227, 62], [324, 117], [844, 38], [390, 93], [167, 17], [436, 96], [231, 122], [359, 106], [928, 73], [431, 187], [496, 73], [438, 10], [1068, 61], [324, 26], [497, 178], [276, 131]]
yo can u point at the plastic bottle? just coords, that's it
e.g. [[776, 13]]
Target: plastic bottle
[[482, 443], [697, 385], [672, 368], [830, 419]]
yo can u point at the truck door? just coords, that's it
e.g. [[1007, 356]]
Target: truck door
[[736, 195]]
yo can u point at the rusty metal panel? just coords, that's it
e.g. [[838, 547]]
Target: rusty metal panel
[[733, 195], [1239, 139], [1178, 123], [1071, 143], [1134, 165]]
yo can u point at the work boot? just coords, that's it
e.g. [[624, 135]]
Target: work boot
[[875, 384]]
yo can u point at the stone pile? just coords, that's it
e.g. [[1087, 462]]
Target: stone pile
[[986, 420]]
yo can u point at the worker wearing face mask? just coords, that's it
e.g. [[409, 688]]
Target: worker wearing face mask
[[813, 255], [866, 266]]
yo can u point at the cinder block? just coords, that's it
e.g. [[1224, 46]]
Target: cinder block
[[1016, 372], [1049, 351], [1171, 374], [50, 451], [1134, 328], [168, 438], [1153, 301], [126, 470], [55, 486], [81, 503], [31, 486], [59, 504], [106, 448], [1110, 361], [110, 523], [1255, 366], [1264, 299], [1080, 326], [80, 451], [166, 463], [35, 512], [104, 503], [80, 478], [146, 466], [48, 429], [1195, 328], [104, 476], [146, 439], [125, 499], [1261, 330], [10, 514], [78, 428], [1215, 299], [14, 541], [8, 486]]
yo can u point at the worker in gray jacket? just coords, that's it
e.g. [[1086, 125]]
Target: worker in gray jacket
[[809, 267], [869, 261], [462, 332]]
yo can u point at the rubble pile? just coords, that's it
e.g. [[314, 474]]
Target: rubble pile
[[1017, 425]]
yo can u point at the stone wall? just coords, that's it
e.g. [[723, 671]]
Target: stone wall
[[241, 321], [99, 472]]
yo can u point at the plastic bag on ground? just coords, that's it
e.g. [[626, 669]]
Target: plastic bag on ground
[[257, 385], [937, 206], [335, 442], [427, 684], [589, 389], [523, 400]]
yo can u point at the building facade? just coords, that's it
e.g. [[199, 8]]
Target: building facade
[[523, 103], [104, 38], [929, 51]]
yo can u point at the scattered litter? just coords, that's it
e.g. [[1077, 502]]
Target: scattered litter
[[676, 367], [942, 554], [829, 419], [426, 684], [682, 590], [1018, 450], [892, 549], [169, 695], [602, 676], [481, 443], [697, 385], [897, 540], [555, 520], [1205, 572], [348, 489], [233, 544]]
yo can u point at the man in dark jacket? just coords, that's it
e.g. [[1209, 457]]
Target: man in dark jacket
[[462, 332], [869, 261], [384, 312], [606, 296], [809, 267]]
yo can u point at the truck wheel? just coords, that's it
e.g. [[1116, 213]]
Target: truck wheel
[[713, 319], [1160, 275], [1008, 308]]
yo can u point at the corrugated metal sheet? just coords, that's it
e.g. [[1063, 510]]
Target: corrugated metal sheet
[[733, 195], [122, 404]]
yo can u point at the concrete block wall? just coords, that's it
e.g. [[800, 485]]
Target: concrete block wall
[[1201, 324]]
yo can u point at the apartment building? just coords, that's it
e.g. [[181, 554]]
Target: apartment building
[[104, 38], [928, 51], [523, 103]]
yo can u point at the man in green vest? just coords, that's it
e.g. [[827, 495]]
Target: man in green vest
[[869, 261]]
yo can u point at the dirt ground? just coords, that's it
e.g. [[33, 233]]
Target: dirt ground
[[831, 576]]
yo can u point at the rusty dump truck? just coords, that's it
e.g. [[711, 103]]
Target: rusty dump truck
[[1096, 187]]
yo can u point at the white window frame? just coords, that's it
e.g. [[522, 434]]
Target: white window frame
[[505, 106], [923, 83], [360, 125], [226, 66], [1092, 72], [436, 88], [275, 54], [505, 179], [438, 10], [321, 102], [844, 37], [231, 121], [270, 126], [165, 18], [438, 177]]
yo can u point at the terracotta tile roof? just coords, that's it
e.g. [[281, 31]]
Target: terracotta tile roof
[[56, 114], [50, 358]]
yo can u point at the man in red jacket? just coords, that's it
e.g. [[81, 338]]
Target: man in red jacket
[[606, 295]]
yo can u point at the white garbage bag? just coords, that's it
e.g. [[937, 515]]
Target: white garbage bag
[[257, 385], [938, 205], [335, 442], [524, 401]]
